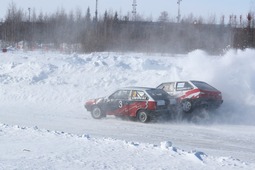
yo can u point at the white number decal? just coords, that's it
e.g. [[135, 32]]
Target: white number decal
[[120, 104]]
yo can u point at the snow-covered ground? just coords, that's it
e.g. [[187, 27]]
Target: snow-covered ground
[[43, 124]]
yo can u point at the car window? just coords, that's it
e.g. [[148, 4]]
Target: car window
[[203, 85], [120, 94], [138, 95], [169, 87], [161, 86], [158, 94], [183, 86]]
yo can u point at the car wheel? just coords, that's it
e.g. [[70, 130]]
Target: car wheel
[[187, 106], [97, 113], [143, 116]]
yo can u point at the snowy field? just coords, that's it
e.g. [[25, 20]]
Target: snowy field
[[43, 124]]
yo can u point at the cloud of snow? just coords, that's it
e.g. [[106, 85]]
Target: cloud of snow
[[233, 74]]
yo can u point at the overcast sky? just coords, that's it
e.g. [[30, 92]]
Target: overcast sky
[[146, 8]]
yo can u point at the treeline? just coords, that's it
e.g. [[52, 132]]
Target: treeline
[[44, 29], [112, 32]]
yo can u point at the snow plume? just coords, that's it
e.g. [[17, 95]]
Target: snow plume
[[233, 74]]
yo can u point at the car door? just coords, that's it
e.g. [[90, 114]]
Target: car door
[[138, 100], [182, 87], [118, 103]]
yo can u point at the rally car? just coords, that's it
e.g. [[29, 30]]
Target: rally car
[[193, 94], [141, 103]]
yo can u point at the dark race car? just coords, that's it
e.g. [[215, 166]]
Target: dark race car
[[193, 94], [135, 102]]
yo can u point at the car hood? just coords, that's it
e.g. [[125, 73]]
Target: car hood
[[95, 101]]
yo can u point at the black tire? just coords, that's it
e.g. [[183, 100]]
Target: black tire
[[187, 106], [143, 116], [97, 113]]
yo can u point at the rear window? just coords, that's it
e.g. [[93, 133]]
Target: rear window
[[203, 86], [158, 94]]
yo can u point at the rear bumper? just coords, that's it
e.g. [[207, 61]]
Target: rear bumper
[[209, 103], [159, 113]]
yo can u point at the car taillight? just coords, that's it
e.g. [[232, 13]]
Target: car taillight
[[152, 105], [201, 94], [219, 96]]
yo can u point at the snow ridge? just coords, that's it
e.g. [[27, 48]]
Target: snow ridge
[[60, 150]]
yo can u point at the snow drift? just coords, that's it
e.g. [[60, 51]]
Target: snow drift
[[34, 148]]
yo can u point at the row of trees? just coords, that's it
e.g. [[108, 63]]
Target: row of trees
[[112, 32]]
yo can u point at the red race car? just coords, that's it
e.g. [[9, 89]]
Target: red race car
[[193, 94], [135, 102]]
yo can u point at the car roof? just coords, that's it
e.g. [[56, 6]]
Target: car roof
[[137, 88], [182, 81]]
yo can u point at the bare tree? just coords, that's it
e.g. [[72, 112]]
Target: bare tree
[[163, 17], [212, 19]]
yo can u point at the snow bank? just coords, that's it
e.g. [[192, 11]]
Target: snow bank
[[34, 148]]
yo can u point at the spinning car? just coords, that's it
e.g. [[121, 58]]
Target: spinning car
[[135, 102], [193, 94]]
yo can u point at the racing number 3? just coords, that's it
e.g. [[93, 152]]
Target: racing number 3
[[120, 104]]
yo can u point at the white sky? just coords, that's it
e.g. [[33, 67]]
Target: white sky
[[146, 8]]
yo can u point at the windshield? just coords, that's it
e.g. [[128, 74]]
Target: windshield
[[158, 94], [203, 86]]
